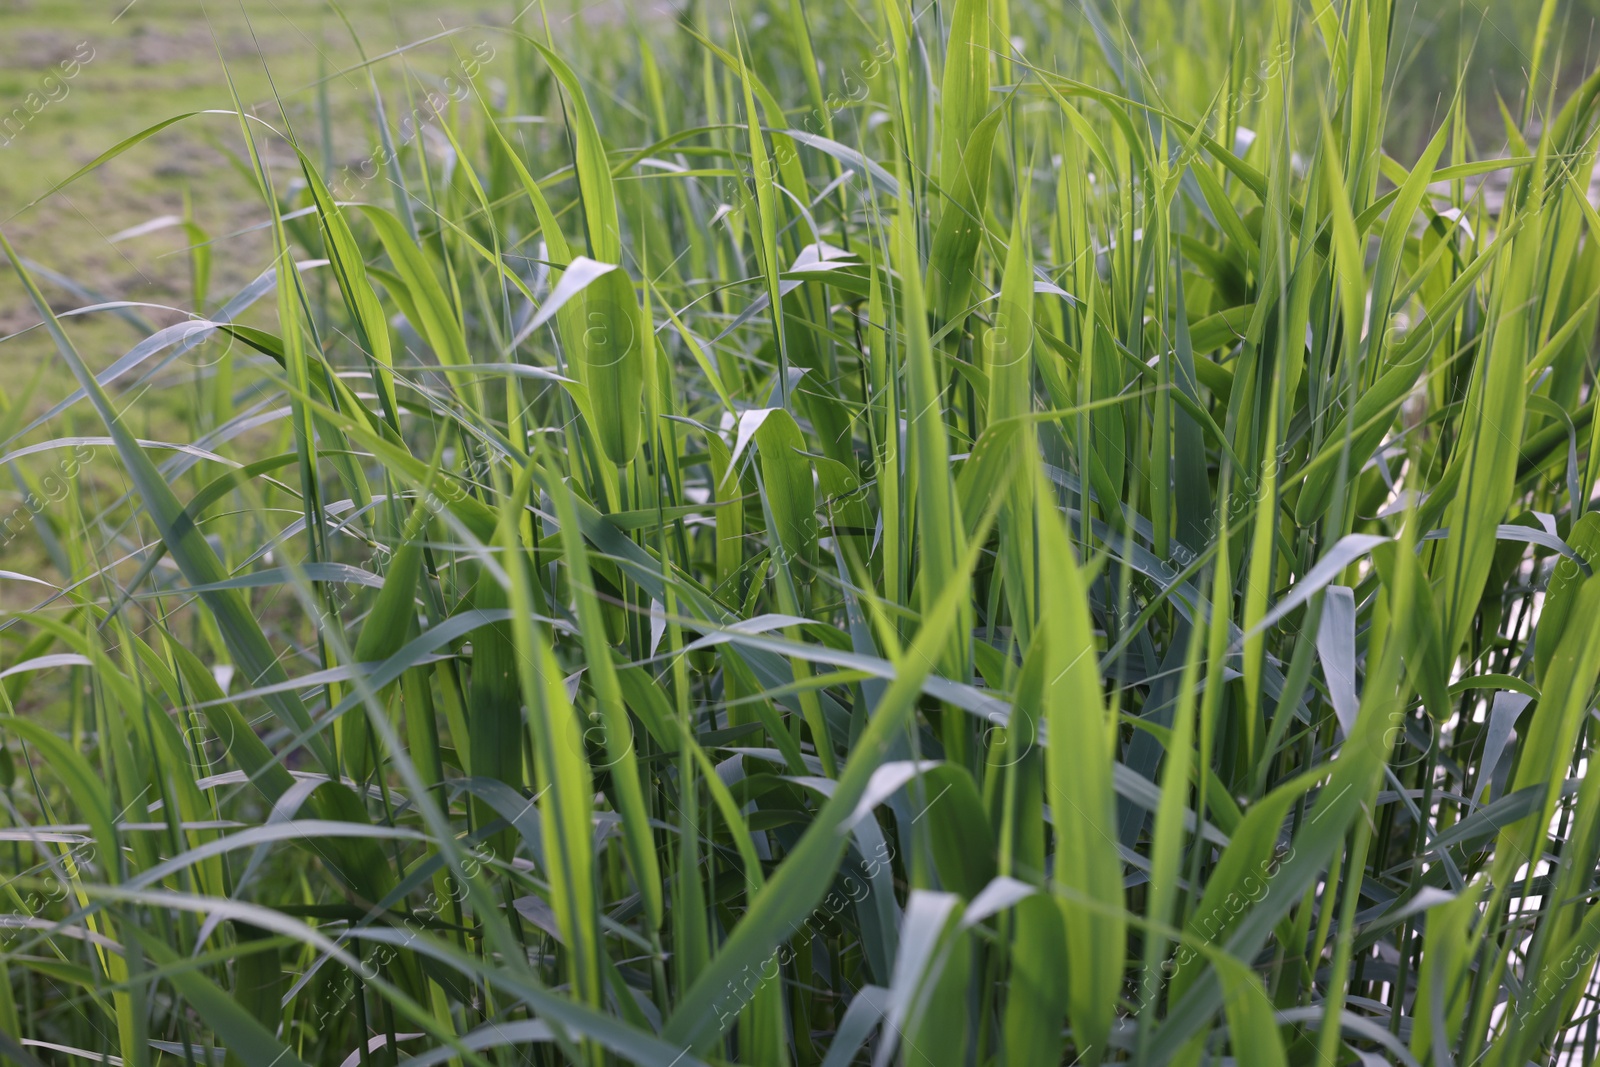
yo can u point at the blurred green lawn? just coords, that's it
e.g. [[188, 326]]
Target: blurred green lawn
[[153, 59]]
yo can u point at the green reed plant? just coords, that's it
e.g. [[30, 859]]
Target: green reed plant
[[986, 533]]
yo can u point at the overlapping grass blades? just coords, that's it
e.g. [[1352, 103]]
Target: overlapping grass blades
[[966, 535]]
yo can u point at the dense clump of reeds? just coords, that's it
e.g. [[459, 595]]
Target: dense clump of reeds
[[830, 535]]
